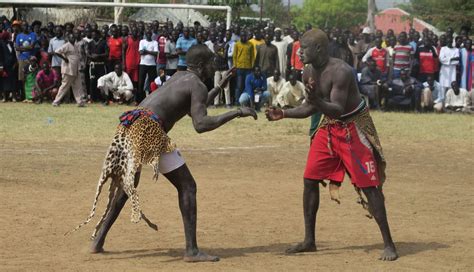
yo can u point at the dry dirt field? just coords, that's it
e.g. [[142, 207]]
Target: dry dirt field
[[249, 177]]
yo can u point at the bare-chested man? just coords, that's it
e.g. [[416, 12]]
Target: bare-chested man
[[346, 140], [141, 138]]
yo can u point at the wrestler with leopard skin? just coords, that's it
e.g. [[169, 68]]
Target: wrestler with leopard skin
[[184, 94], [332, 89]]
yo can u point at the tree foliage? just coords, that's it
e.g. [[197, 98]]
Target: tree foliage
[[275, 10], [442, 13], [321, 13]]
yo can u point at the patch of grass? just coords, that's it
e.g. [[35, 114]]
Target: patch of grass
[[95, 125]]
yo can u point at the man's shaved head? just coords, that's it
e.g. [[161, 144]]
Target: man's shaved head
[[314, 48], [199, 53], [316, 36]]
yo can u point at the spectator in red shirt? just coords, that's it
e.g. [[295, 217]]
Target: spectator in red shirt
[[379, 55], [46, 84], [115, 44], [426, 56]]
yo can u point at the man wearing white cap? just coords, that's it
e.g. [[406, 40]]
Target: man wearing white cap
[[363, 45]]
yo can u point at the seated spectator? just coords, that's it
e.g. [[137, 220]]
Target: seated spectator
[[255, 94], [292, 93], [274, 85], [159, 80], [457, 99], [372, 83], [432, 96], [118, 84], [46, 84], [30, 77], [404, 93]]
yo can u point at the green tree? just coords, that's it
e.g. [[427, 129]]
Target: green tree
[[275, 10], [321, 13], [442, 13]]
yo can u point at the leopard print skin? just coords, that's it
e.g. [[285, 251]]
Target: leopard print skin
[[141, 143]]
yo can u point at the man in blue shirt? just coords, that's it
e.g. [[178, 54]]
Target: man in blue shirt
[[24, 43], [255, 93], [182, 46]]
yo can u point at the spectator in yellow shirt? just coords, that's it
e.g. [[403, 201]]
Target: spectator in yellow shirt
[[243, 58]]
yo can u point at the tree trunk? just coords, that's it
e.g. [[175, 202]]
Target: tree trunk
[[371, 10]]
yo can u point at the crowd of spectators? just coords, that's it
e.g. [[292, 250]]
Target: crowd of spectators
[[124, 63]]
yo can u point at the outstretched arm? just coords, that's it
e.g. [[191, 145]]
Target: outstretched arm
[[303, 111], [202, 122]]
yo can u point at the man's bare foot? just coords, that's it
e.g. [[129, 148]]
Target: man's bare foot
[[389, 254], [301, 247], [96, 248], [200, 257]]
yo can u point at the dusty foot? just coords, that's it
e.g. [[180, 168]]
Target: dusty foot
[[96, 248], [301, 247], [389, 254], [200, 257]]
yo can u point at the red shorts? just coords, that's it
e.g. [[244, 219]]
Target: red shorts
[[346, 150]]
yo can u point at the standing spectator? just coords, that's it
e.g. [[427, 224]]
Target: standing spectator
[[339, 49], [210, 42], [362, 46], [148, 52], [379, 55], [221, 68], [54, 44], [24, 44], [171, 54], [257, 40], [243, 59], [255, 94], [372, 83], [182, 46], [70, 54], [432, 96], [467, 62], [30, 77], [405, 92], [97, 52], [457, 99], [132, 56], [115, 44], [267, 56], [402, 56], [161, 49], [8, 62], [449, 58], [229, 48], [43, 55], [292, 93], [427, 58], [281, 45], [46, 84], [274, 85], [295, 60], [117, 84], [81, 44]]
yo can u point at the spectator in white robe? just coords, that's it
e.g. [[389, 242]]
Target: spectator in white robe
[[449, 58], [118, 84], [282, 46], [274, 85]]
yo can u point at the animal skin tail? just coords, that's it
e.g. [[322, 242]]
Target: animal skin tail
[[102, 180]]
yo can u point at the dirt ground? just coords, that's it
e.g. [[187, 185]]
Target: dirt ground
[[249, 177]]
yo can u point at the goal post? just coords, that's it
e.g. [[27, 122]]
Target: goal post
[[44, 3]]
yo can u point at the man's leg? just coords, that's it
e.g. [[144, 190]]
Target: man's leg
[[63, 89], [184, 182], [117, 205], [377, 206], [310, 209]]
